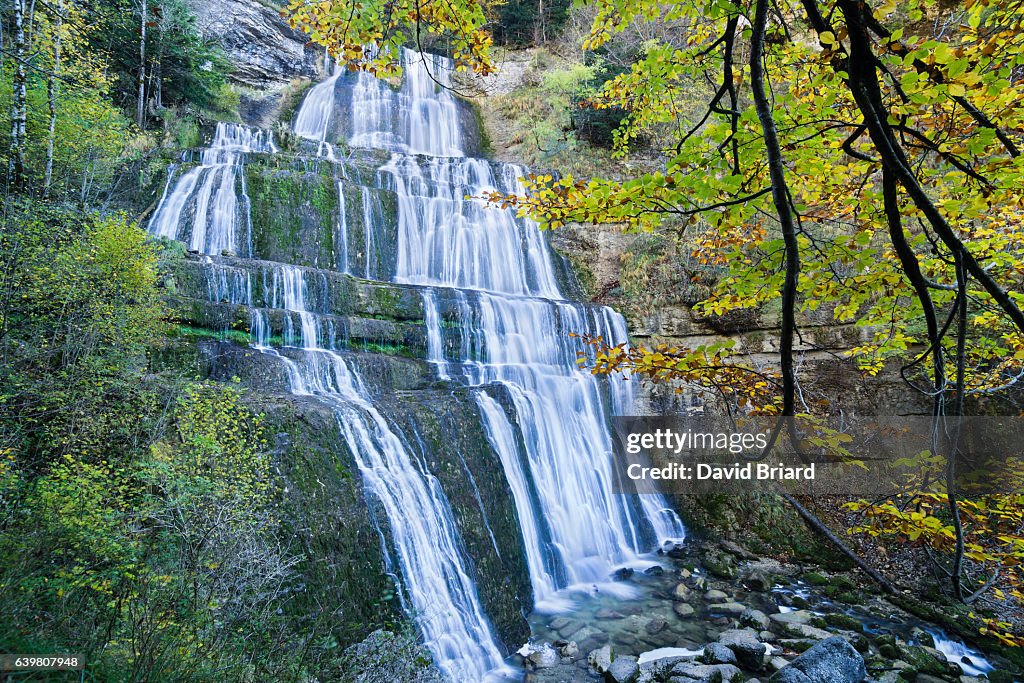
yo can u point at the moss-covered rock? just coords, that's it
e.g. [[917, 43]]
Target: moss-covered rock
[[346, 588], [454, 444], [844, 621], [294, 215]]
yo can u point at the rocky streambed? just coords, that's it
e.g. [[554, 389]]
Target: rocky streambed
[[718, 613]]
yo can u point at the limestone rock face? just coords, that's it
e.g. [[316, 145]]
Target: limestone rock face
[[264, 51]]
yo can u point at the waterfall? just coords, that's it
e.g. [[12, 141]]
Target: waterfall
[[495, 274], [314, 117], [440, 590], [341, 234], [421, 117], [209, 203], [494, 318], [566, 503], [492, 274]]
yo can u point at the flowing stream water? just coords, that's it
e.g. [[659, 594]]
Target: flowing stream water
[[495, 317]]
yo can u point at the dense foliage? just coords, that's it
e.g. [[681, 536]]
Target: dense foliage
[[527, 22], [138, 521], [139, 512]]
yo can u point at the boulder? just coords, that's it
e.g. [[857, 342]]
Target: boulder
[[720, 564], [748, 649], [623, 670], [925, 660], [685, 672], [736, 550], [716, 596], [716, 653], [656, 625], [677, 552], [795, 617], [758, 581], [831, 661], [734, 609], [570, 649], [600, 659], [543, 657], [681, 592], [606, 613], [755, 618], [683, 610], [798, 624], [921, 637]]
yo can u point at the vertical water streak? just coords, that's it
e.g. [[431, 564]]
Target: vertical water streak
[[435, 343], [341, 238], [313, 119], [371, 223], [545, 579], [209, 191]]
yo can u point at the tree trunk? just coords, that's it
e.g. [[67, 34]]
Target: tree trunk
[[538, 28], [158, 92], [816, 524], [780, 195], [141, 112], [19, 101], [52, 90]]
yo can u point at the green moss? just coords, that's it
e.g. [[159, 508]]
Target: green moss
[[815, 579], [294, 215], [843, 583], [237, 336], [851, 598], [486, 146], [584, 275], [385, 348], [840, 620], [347, 592]]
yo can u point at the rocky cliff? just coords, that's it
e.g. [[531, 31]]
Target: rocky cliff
[[264, 51]]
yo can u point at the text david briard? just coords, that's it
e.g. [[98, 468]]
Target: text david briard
[[668, 441]]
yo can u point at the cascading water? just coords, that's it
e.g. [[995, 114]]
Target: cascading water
[[514, 328], [494, 318], [440, 591], [209, 204], [422, 117], [314, 118]]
